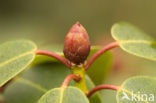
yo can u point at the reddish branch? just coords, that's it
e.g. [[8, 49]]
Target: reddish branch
[[100, 52], [54, 55], [100, 87], [69, 78]]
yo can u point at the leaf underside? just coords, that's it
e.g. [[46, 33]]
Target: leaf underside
[[134, 41], [64, 95], [139, 89], [15, 56]]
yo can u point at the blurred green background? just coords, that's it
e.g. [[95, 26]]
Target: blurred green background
[[45, 20], [48, 21]]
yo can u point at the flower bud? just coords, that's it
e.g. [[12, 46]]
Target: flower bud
[[77, 44]]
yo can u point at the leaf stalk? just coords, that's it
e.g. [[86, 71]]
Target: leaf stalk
[[54, 55], [100, 52], [100, 87], [69, 78]]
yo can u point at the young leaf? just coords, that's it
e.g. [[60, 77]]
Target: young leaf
[[64, 95], [134, 41], [137, 90], [36, 81], [15, 56], [100, 69]]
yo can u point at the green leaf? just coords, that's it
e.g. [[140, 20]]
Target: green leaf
[[95, 98], [64, 95], [15, 56], [100, 69], [134, 41], [35, 82], [140, 89]]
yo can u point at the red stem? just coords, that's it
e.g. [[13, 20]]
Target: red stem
[[100, 52], [100, 87], [54, 55], [69, 78]]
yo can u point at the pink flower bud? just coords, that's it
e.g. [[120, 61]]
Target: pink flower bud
[[77, 44]]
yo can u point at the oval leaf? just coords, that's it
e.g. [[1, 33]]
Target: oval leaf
[[15, 56], [137, 90], [134, 41], [64, 95]]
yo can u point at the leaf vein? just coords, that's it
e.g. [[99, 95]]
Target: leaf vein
[[137, 41], [61, 95], [32, 84], [14, 58]]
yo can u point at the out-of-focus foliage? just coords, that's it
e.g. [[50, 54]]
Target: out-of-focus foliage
[[49, 20]]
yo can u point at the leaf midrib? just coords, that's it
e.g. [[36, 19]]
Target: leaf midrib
[[14, 58], [32, 84], [61, 95], [136, 41]]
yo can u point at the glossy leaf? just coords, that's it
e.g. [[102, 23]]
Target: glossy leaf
[[100, 69], [137, 90], [15, 56], [36, 81], [64, 95], [134, 41]]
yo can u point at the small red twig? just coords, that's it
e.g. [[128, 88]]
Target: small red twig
[[54, 55], [100, 52], [100, 87], [69, 78]]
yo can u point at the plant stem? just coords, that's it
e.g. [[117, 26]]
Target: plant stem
[[100, 52], [69, 78], [100, 87], [54, 55], [82, 83]]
